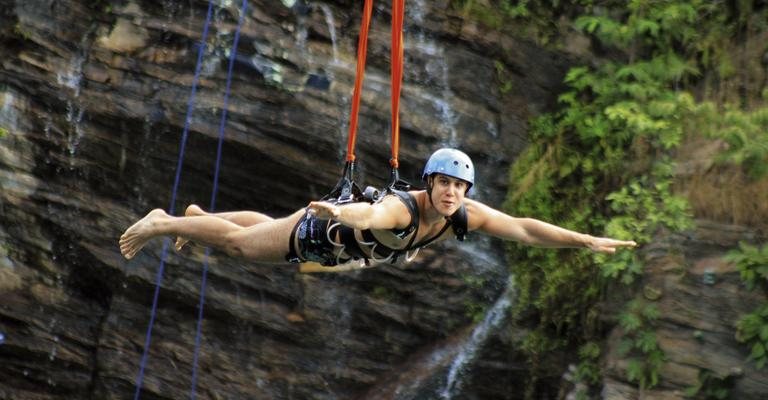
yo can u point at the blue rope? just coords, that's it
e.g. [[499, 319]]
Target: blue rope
[[222, 124], [171, 209]]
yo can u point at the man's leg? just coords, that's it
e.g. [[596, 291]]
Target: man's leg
[[264, 242], [242, 218]]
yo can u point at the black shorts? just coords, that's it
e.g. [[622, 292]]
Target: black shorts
[[314, 243]]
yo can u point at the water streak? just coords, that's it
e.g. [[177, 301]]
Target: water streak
[[71, 78], [329, 21], [436, 68], [8, 116], [493, 318]]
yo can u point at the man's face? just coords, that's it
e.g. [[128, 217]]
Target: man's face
[[447, 193]]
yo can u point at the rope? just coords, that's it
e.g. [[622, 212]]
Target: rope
[[398, 9], [214, 191], [172, 207], [362, 50]]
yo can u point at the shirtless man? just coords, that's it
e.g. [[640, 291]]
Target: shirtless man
[[394, 226]]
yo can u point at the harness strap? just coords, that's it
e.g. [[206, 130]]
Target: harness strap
[[351, 247], [430, 240], [459, 222]]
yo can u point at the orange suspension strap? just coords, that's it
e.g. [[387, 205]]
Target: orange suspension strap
[[362, 50], [398, 10], [346, 190]]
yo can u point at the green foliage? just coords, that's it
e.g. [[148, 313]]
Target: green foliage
[[536, 17], [588, 369], [501, 74], [22, 32], [752, 328], [752, 263], [474, 309], [612, 114], [640, 207], [383, 293], [3, 131], [744, 132], [711, 387], [603, 164], [639, 344]]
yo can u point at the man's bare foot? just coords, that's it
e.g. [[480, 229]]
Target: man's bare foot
[[191, 211], [139, 234]]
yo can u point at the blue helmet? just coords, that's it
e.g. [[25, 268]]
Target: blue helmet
[[450, 162]]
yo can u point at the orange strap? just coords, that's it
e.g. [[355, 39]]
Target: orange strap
[[398, 9], [362, 49]]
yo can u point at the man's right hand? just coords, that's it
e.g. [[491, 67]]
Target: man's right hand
[[323, 210]]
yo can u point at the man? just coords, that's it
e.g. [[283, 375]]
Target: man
[[331, 235]]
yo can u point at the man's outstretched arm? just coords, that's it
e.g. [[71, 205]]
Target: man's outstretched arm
[[390, 213], [533, 232]]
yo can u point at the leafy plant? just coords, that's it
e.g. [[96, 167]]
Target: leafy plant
[[640, 344], [604, 161], [588, 369], [536, 17], [752, 328], [752, 263], [711, 387]]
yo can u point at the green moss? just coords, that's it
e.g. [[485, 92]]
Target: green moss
[[21, 32]]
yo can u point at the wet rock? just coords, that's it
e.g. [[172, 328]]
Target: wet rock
[[94, 98], [698, 315]]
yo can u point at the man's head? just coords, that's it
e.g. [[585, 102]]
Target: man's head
[[450, 162], [446, 170]]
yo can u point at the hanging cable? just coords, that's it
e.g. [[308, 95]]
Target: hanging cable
[[398, 9], [362, 50], [214, 191], [172, 207], [346, 190], [396, 79]]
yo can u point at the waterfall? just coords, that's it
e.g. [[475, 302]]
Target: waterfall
[[436, 67], [70, 78], [493, 318], [8, 116], [329, 21], [438, 372]]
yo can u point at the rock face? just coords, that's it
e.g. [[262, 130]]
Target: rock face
[[700, 297], [93, 105], [93, 98]]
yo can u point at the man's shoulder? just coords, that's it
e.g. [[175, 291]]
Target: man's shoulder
[[477, 209]]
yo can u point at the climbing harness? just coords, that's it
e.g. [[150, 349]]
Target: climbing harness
[[171, 208]]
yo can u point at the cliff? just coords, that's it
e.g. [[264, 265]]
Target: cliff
[[94, 98], [93, 101]]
